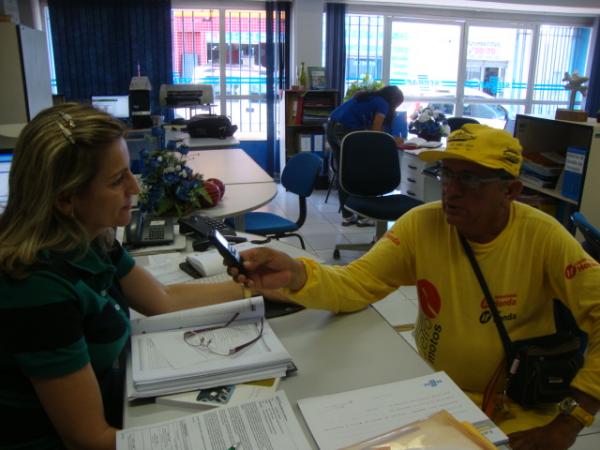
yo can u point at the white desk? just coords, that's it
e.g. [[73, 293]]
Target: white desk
[[212, 143], [231, 166], [333, 354], [173, 133], [240, 199]]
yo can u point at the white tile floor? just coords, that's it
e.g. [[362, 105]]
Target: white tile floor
[[322, 229]]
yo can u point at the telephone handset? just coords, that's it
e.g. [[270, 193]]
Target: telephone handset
[[145, 230]]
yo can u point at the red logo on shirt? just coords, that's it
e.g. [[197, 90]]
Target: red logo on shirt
[[392, 237], [581, 265], [500, 300], [429, 298]]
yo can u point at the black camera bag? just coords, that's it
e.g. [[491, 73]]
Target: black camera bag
[[210, 126]]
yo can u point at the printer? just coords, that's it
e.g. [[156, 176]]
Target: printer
[[185, 95]]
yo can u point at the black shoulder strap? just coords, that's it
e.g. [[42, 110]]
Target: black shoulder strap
[[506, 342]]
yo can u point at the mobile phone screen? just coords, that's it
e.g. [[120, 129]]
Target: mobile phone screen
[[227, 251]]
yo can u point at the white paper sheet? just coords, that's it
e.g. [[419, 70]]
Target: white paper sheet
[[398, 311], [343, 419], [258, 424]]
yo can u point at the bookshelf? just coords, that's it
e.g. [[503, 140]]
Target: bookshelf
[[305, 113], [561, 137]]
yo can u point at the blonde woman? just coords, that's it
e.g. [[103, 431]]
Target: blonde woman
[[64, 281]]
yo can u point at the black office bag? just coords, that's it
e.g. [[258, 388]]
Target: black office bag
[[540, 369], [210, 126]]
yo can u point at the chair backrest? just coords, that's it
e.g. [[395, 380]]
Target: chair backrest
[[300, 173], [369, 163], [589, 232], [456, 122]]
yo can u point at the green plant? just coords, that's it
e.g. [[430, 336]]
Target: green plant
[[366, 83]]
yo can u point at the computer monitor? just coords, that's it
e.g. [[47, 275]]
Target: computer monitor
[[116, 105]]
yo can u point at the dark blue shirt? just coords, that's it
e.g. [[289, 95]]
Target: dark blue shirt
[[355, 115]]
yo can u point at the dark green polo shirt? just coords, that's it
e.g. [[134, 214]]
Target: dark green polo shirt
[[63, 316]]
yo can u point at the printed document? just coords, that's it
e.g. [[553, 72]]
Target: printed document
[[257, 424], [161, 361], [340, 420]]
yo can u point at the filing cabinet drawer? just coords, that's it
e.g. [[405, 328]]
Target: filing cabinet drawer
[[415, 189], [411, 178], [414, 183]]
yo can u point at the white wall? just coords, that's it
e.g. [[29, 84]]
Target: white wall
[[307, 33]]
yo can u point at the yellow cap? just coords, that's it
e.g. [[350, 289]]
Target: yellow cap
[[483, 145]]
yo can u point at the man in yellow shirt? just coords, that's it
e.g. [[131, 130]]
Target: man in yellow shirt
[[526, 257]]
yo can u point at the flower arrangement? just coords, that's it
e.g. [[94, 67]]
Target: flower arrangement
[[170, 188], [429, 124]]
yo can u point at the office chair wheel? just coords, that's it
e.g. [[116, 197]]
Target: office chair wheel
[[336, 254]]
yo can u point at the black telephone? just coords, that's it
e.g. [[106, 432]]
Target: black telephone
[[200, 226], [145, 230]]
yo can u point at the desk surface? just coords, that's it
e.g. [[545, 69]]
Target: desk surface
[[242, 198], [211, 143], [231, 166], [333, 354], [173, 132]]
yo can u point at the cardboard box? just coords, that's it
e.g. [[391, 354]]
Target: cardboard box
[[571, 115]]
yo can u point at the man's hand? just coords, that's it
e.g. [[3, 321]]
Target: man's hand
[[559, 434], [269, 269]]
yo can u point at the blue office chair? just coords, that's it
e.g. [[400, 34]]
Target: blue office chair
[[591, 234], [369, 170], [457, 122], [299, 176]]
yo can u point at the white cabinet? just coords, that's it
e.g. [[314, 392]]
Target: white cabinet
[[412, 180], [24, 73]]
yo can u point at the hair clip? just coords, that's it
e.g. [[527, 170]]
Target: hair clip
[[68, 135], [67, 119]]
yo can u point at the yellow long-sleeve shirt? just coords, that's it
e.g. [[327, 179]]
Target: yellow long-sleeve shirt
[[531, 262]]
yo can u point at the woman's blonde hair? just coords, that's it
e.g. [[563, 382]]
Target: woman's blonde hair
[[57, 155]]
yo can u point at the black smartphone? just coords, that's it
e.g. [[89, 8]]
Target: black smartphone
[[227, 251]]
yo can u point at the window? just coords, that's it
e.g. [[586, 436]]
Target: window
[[364, 47], [50, 49], [225, 48], [492, 83]]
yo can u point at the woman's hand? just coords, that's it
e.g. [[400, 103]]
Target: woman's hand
[[269, 269]]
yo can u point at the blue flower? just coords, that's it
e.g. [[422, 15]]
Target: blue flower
[[169, 185], [170, 178]]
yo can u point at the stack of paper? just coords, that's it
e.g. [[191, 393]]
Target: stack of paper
[[161, 362], [230, 394], [340, 420], [254, 425]]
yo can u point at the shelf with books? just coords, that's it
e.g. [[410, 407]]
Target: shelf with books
[[304, 114], [560, 159]]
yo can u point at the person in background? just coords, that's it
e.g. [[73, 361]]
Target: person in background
[[366, 110], [526, 256], [66, 284]]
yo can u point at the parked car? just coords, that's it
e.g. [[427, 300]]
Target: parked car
[[492, 114]]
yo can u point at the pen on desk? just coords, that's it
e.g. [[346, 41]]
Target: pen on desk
[[235, 446]]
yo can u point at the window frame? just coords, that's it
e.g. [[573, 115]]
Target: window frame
[[467, 19]]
